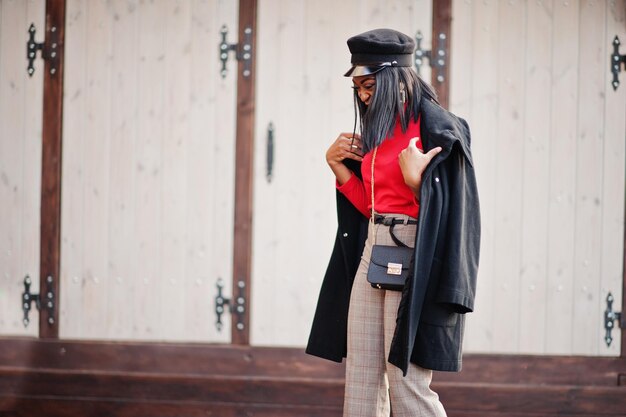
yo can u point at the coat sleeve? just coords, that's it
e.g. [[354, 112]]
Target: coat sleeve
[[457, 284]]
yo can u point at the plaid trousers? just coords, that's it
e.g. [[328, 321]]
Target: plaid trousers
[[374, 387]]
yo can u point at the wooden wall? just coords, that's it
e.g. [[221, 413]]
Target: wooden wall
[[149, 157], [147, 170], [533, 80], [126, 112], [21, 100]]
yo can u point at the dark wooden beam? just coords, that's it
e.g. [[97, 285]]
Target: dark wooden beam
[[201, 359], [52, 129], [442, 24], [244, 168]]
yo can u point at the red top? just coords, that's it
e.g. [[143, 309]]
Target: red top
[[391, 194]]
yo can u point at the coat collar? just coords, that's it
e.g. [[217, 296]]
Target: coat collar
[[444, 129]]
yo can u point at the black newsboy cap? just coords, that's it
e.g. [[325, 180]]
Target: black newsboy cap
[[378, 49]]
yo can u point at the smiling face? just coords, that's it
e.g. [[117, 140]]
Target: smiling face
[[365, 86]]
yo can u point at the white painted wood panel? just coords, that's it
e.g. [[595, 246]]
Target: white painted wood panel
[[613, 179], [535, 190], [562, 179], [300, 89], [482, 101], [548, 140], [148, 170], [592, 71], [20, 162], [509, 146]]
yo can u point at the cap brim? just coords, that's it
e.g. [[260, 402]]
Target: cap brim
[[360, 70]]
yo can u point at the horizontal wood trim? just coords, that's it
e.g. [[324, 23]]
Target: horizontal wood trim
[[170, 388], [54, 407], [78, 393], [200, 359], [528, 399], [187, 359], [529, 369]]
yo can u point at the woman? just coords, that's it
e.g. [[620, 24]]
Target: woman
[[425, 197]]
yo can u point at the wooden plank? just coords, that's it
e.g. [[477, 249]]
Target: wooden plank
[[51, 169], [148, 175], [613, 186], [484, 124], [74, 130], [460, 59], [281, 271], [588, 204], [198, 359], [535, 158], [559, 323], [304, 393], [25, 407], [123, 97], [242, 243], [177, 88], [96, 165], [509, 178], [31, 173], [441, 31], [210, 172], [270, 73]]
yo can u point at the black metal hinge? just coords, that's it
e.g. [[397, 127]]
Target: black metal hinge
[[243, 51], [616, 63], [28, 298], [49, 49], [237, 306], [610, 317], [436, 59]]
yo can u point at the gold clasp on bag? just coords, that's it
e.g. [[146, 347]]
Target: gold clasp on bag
[[394, 269]]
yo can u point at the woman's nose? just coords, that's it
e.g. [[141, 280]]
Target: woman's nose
[[363, 95]]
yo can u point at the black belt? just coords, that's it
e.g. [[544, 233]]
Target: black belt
[[391, 222]]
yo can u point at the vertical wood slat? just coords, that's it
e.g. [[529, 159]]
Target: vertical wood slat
[[483, 121], [509, 176], [592, 68], [96, 160], [121, 205], [535, 159], [613, 208], [51, 171], [562, 183], [242, 242], [73, 215], [442, 24]]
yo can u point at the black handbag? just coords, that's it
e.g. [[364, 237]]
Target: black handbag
[[389, 266]]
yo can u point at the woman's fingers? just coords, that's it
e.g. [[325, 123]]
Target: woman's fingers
[[355, 145], [346, 146], [431, 154]]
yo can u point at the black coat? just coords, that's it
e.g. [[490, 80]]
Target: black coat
[[430, 323]]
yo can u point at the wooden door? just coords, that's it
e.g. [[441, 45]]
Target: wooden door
[[302, 94], [148, 170], [20, 162], [533, 80]]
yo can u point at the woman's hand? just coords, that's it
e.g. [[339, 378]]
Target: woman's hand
[[413, 163], [345, 146]]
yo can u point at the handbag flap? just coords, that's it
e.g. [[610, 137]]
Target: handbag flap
[[383, 255]]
